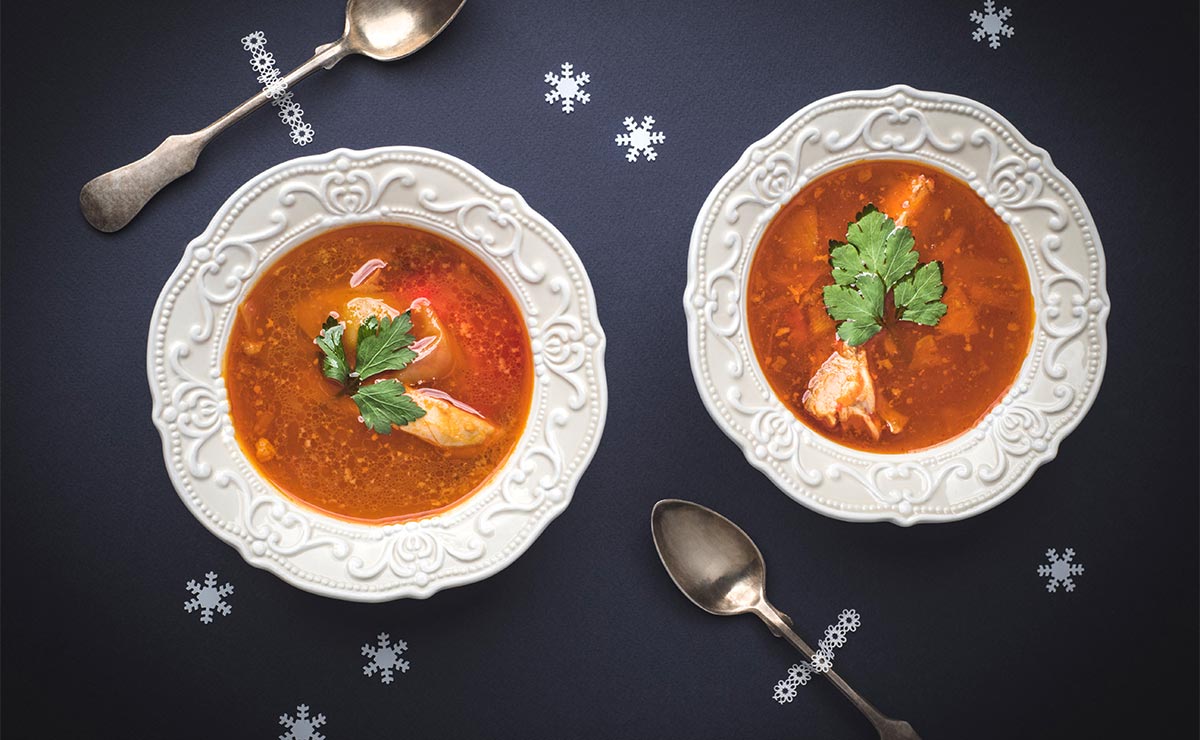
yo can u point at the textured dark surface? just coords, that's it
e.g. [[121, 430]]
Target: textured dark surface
[[584, 636]]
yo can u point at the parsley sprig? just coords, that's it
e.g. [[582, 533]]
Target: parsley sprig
[[877, 258], [383, 344]]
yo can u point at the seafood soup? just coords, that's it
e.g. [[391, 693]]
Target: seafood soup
[[889, 306], [378, 373]]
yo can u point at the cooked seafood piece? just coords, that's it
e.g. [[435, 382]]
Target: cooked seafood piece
[[919, 189], [359, 310], [448, 422], [437, 351], [842, 389]]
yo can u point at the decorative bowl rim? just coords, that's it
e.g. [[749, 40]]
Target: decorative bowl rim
[[568, 282], [696, 298]]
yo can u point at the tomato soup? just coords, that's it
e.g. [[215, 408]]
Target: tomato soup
[[910, 386], [472, 376]]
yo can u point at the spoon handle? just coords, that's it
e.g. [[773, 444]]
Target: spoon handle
[[888, 728], [110, 201]]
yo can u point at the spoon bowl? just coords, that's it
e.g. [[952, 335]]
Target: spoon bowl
[[712, 561], [387, 30]]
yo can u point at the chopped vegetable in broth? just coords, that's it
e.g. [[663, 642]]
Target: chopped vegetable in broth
[[378, 373], [927, 348]]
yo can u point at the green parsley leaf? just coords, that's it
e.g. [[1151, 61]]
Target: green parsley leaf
[[884, 249], [899, 257], [854, 333], [333, 364], [918, 297], [384, 403], [868, 233], [383, 345], [876, 258], [859, 308], [847, 264]]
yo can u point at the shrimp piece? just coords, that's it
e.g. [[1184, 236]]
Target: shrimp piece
[[842, 389], [447, 422]]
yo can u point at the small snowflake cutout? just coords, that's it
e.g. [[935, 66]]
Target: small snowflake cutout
[[254, 42], [991, 24], [822, 660], [290, 112], [798, 675], [785, 691], [261, 61], [302, 726], [1060, 570], [385, 658], [275, 87], [567, 88], [639, 139], [302, 133], [208, 597]]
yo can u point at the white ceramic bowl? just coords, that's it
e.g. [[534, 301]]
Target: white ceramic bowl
[[287, 205], [1061, 373]]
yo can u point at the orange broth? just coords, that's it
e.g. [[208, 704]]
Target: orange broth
[[943, 378], [304, 434]]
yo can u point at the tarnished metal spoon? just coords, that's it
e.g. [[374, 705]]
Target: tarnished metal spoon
[[385, 30], [716, 565]]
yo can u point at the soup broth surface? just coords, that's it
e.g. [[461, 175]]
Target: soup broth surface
[[940, 380], [304, 433]]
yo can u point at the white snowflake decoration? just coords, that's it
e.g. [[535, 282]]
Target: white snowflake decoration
[[208, 598], [290, 112], [275, 89], [822, 660], [385, 658], [784, 692], [640, 139], [302, 133], [254, 42], [1060, 570], [991, 24], [568, 88], [302, 726], [261, 61]]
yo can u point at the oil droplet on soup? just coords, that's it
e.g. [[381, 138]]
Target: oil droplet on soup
[[304, 433], [910, 386]]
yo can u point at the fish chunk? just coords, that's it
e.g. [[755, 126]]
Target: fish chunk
[[437, 351], [359, 310], [447, 421], [842, 390]]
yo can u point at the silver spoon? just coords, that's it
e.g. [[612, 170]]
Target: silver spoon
[[385, 30], [716, 565]]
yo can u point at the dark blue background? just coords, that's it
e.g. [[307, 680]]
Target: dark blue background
[[585, 636]]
